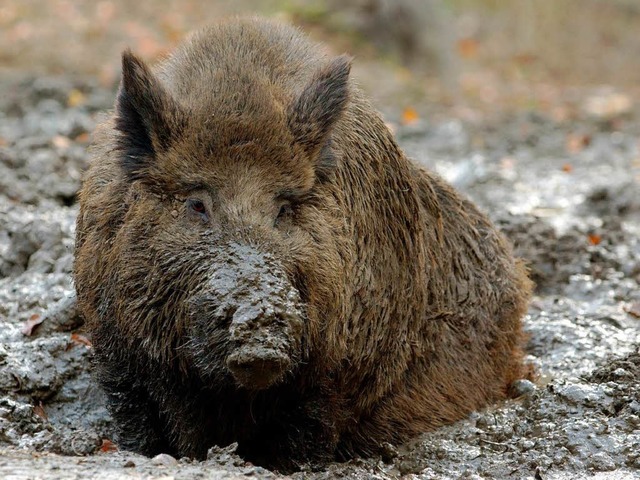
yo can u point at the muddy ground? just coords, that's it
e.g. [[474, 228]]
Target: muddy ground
[[566, 192]]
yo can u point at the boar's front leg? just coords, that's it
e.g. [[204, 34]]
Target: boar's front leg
[[303, 431], [136, 414]]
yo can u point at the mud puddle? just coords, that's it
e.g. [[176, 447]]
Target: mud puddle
[[574, 214]]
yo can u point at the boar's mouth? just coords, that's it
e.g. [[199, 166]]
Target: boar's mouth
[[247, 322], [258, 363], [258, 369]]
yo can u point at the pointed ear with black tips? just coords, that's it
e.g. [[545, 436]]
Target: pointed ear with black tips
[[320, 105], [145, 116]]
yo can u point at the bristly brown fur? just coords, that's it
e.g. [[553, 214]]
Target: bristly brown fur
[[412, 301]]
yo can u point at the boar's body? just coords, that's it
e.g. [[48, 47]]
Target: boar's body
[[258, 262]]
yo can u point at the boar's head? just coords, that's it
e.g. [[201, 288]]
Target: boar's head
[[227, 256]]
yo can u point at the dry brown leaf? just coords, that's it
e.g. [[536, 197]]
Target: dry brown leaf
[[594, 239], [634, 309], [39, 411], [81, 340], [108, 446], [567, 168], [409, 116], [31, 324], [82, 138], [468, 48], [576, 142], [76, 98]]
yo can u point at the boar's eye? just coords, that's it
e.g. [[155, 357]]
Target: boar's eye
[[196, 206], [285, 211]]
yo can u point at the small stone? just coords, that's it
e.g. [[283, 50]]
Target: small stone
[[522, 388], [129, 464], [544, 462], [527, 444], [602, 462], [485, 421], [164, 459], [621, 373], [581, 394]]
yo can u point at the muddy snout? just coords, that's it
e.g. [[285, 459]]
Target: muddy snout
[[264, 345], [249, 321]]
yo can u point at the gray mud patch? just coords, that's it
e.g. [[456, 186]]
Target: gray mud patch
[[578, 227]]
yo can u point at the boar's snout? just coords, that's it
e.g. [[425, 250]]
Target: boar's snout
[[262, 338], [248, 320]]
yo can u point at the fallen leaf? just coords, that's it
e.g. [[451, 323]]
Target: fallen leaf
[[634, 309], [108, 446], [594, 239], [567, 168], [76, 98], [39, 411], [409, 116], [576, 142], [468, 47], [81, 340], [82, 138], [31, 324]]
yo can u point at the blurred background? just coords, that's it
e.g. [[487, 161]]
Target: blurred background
[[476, 57]]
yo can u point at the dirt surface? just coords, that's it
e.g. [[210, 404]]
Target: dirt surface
[[575, 215], [566, 192]]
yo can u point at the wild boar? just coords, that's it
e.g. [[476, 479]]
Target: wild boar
[[258, 262]]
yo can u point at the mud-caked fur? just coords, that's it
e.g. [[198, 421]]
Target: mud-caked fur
[[250, 135]]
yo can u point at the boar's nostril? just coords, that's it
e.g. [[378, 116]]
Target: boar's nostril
[[256, 370]]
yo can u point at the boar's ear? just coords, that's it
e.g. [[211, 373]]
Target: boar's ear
[[145, 116], [321, 103]]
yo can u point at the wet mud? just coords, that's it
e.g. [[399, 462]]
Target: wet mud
[[574, 215]]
